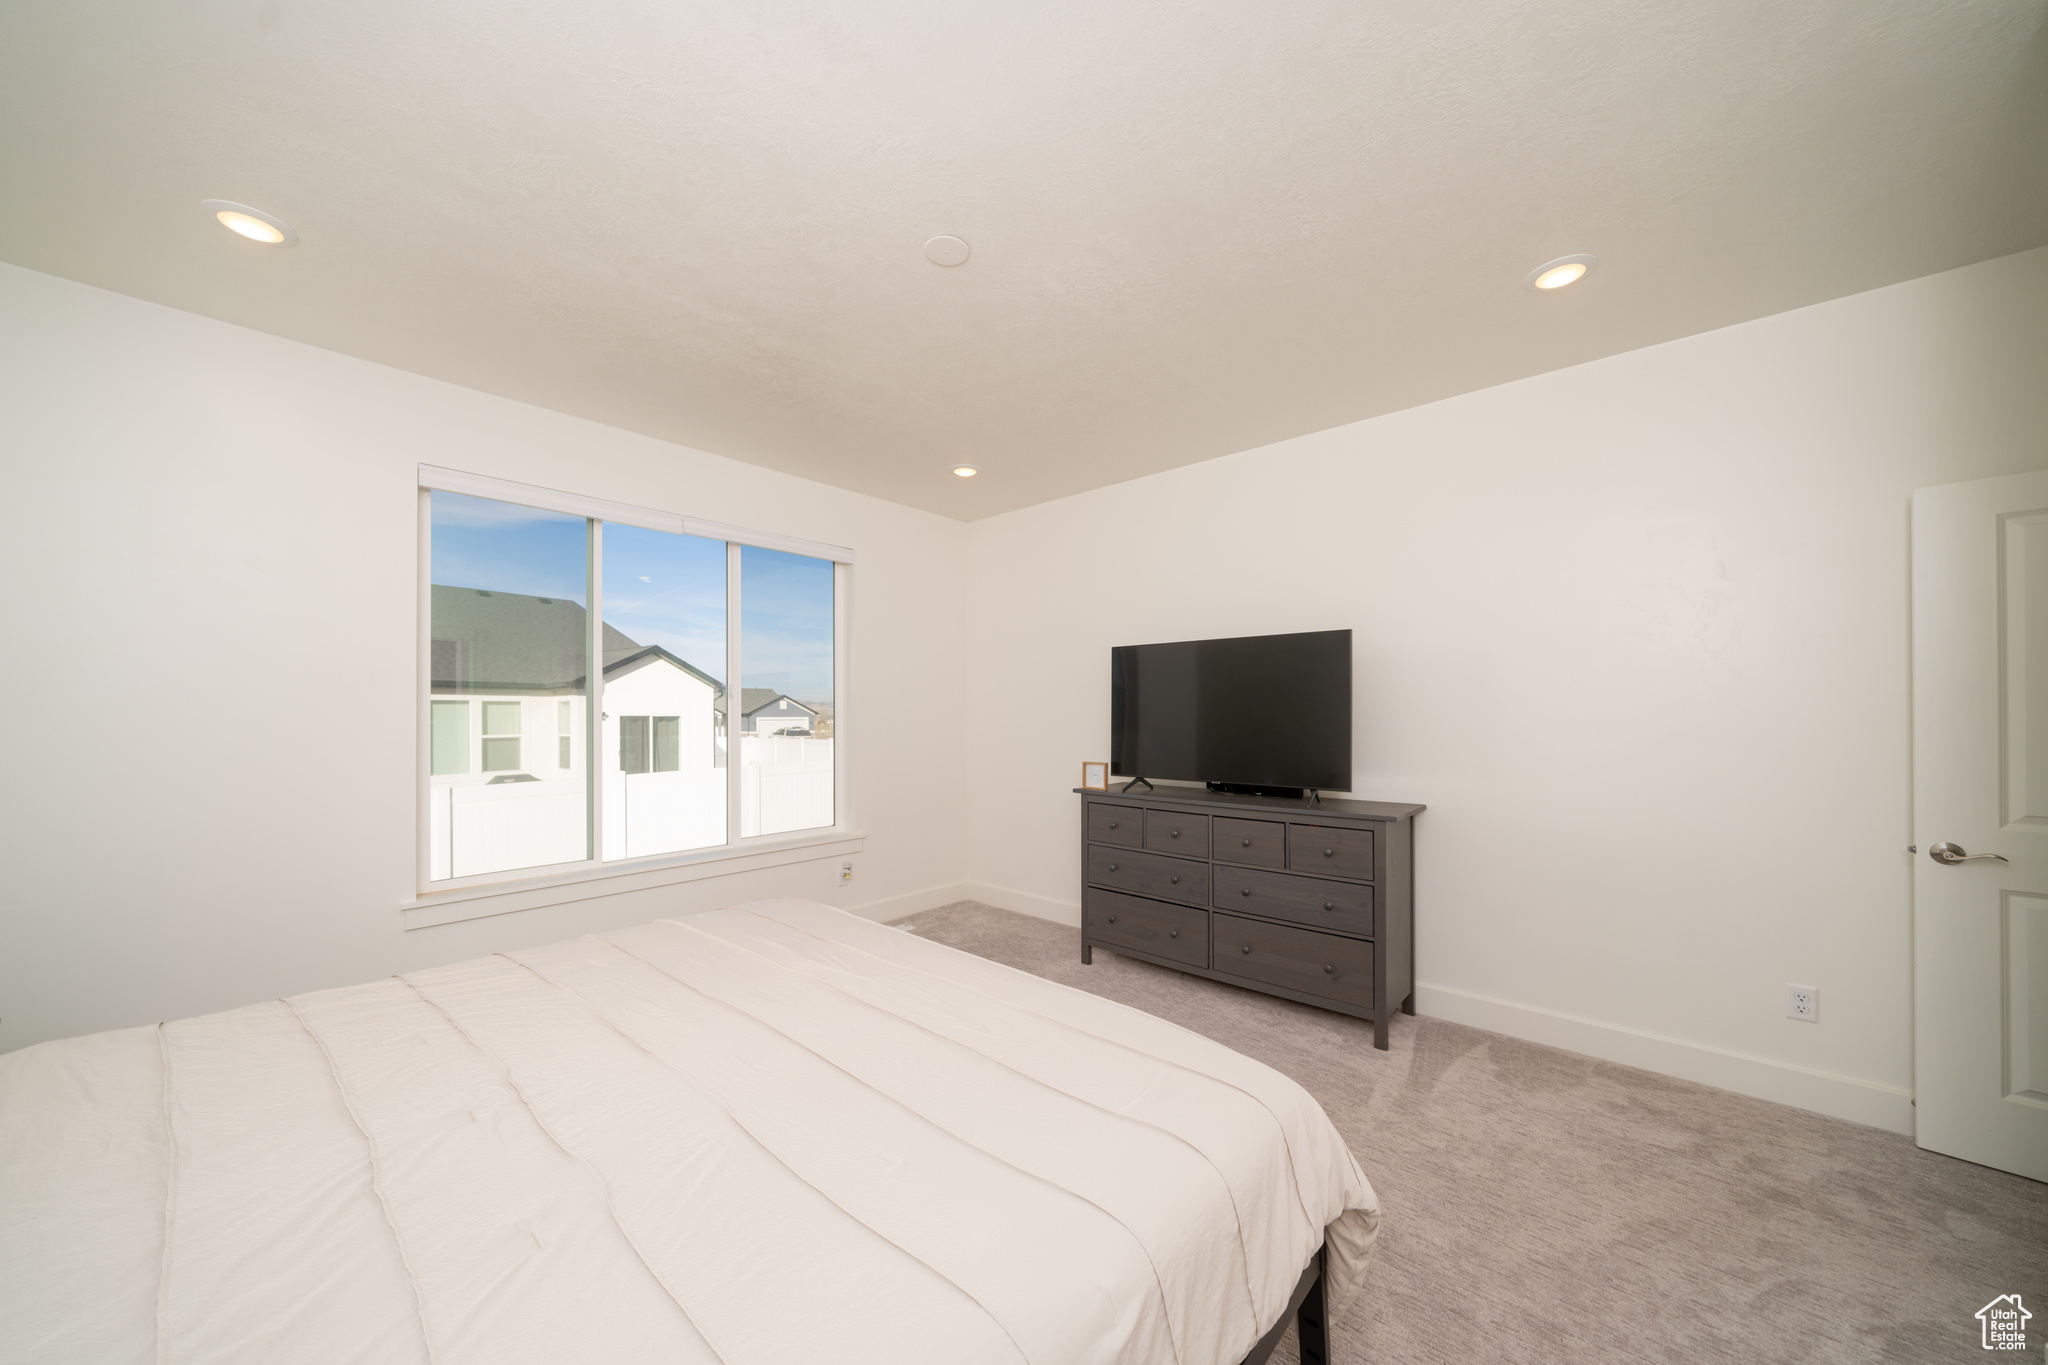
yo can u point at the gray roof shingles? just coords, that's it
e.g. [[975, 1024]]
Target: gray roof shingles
[[752, 699], [488, 641]]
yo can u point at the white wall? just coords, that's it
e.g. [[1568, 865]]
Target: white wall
[[198, 520], [1635, 631]]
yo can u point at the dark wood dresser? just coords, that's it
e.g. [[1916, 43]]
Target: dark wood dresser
[[1310, 901]]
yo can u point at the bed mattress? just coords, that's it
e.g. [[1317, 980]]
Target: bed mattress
[[771, 1133]]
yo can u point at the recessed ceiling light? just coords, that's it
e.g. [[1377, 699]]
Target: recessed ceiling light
[[1560, 272], [965, 471], [946, 251], [254, 224]]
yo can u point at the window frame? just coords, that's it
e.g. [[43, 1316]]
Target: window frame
[[434, 730], [457, 898], [487, 734]]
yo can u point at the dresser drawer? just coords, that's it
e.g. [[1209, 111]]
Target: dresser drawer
[[1330, 850], [1261, 843], [1174, 932], [1109, 824], [1171, 832], [1296, 959], [1343, 906], [1149, 874]]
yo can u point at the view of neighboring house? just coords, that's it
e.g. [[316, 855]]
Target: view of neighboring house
[[764, 711], [508, 738], [508, 785]]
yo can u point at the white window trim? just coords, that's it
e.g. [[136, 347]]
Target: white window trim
[[451, 900], [576, 505], [584, 882]]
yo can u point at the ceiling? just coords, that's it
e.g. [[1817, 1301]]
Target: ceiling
[[1197, 227]]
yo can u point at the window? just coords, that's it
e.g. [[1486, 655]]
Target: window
[[632, 744], [786, 627], [501, 736], [451, 737], [650, 744], [665, 669], [681, 607]]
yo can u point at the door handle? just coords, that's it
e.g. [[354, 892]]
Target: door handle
[[1948, 855]]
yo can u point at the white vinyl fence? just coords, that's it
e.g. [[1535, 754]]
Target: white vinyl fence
[[481, 828], [785, 785]]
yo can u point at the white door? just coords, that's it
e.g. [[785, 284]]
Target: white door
[[1980, 787]]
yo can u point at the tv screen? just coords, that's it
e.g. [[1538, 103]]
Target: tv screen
[[1259, 710]]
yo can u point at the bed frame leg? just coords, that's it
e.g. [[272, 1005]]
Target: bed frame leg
[[1305, 1306], [1311, 1332]]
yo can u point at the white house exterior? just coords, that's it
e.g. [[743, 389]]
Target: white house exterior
[[664, 750], [508, 767], [768, 712]]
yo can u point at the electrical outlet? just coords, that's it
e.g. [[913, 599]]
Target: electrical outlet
[[845, 873], [1802, 1002]]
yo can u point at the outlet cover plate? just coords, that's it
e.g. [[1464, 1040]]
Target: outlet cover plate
[[1802, 1002]]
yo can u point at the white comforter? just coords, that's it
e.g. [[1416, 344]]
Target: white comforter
[[774, 1133]]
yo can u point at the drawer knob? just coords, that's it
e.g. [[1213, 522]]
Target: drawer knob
[[1173, 834], [1112, 867], [1173, 933], [1112, 919], [1247, 947], [1174, 880], [1329, 853], [1244, 843], [1112, 824], [1246, 892], [1329, 905], [1328, 968]]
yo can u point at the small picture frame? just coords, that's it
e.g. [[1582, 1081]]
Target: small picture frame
[[1095, 777]]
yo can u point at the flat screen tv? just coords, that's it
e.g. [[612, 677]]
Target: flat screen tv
[[1258, 711]]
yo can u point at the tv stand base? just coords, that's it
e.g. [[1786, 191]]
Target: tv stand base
[[1254, 789]]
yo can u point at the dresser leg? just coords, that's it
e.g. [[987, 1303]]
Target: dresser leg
[[1087, 952], [1408, 1005], [1379, 1032]]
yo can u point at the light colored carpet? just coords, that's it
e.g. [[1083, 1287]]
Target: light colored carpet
[[1546, 1207]]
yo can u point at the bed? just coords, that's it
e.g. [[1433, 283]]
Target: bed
[[764, 1134]]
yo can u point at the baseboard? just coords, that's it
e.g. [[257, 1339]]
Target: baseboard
[[913, 903], [1023, 902], [1865, 1102]]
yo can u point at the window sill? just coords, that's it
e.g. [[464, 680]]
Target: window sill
[[430, 908]]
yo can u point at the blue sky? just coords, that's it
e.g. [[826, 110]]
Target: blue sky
[[668, 590], [659, 588], [786, 623]]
